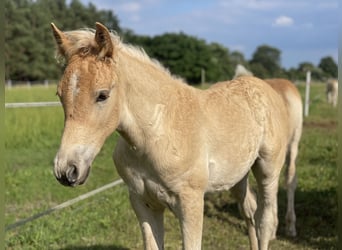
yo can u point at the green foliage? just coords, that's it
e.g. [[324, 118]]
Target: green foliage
[[106, 220], [222, 66], [29, 47], [328, 66], [237, 57], [316, 73], [186, 56], [266, 62], [182, 54]]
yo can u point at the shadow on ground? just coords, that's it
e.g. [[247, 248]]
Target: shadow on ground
[[95, 247], [316, 216]]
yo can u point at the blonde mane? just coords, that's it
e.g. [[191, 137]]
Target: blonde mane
[[83, 40]]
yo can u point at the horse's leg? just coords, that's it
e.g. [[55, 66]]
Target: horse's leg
[[247, 206], [291, 183], [189, 211], [329, 96], [335, 97], [267, 173], [151, 222]]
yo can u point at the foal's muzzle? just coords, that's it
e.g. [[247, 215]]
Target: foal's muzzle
[[72, 168], [71, 176]]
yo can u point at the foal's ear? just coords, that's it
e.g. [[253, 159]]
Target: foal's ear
[[104, 41], [61, 40]]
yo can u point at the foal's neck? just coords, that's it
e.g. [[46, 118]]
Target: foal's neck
[[149, 96]]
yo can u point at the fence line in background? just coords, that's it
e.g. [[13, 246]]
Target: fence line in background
[[63, 205], [307, 93], [31, 104], [13, 83]]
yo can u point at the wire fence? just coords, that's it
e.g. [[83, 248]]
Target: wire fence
[[66, 203], [63, 205]]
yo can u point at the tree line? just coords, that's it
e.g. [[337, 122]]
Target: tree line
[[29, 46]]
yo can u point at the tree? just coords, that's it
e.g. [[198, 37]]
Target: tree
[[182, 54], [29, 47], [316, 73], [292, 74], [328, 66], [265, 62], [128, 36], [236, 57], [19, 40], [221, 68]]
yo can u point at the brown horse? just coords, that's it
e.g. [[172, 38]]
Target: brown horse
[[177, 142]]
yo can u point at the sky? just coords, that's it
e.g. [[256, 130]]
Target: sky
[[303, 30]]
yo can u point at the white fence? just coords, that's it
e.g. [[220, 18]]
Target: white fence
[[31, 104], [12, 83]]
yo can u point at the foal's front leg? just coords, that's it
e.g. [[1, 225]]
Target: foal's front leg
[[189, 211], [151, 222]]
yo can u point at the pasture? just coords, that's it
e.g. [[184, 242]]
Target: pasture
[[106, 220]]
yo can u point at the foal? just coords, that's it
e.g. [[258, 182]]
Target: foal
[[176, 142], [293, 103]]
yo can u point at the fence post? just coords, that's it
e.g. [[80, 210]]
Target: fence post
[[46, 83], [307, 93], [202, 77], [9, 83]]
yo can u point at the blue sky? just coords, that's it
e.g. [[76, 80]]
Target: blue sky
[[304, 30]]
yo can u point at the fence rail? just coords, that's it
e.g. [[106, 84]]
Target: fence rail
[[63, 205], [31, 104], [13, 83]]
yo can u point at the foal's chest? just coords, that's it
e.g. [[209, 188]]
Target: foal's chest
[[141, 178]]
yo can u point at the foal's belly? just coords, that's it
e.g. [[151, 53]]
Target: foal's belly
[[223, 176], [223, 171]]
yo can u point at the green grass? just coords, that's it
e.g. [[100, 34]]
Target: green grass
[[106, 221]]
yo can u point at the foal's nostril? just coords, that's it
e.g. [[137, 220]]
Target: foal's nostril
[[72, 174]]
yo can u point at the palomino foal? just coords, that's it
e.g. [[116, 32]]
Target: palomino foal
[[176, 143], [293, 103]]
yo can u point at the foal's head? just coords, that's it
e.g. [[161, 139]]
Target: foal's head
[[89, 94]]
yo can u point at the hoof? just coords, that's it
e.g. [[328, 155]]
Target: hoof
[[291, 232]]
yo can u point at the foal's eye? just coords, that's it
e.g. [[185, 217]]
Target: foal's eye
[[102, 95]]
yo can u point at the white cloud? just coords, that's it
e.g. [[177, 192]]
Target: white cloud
[[132, 10], [283, 21], [131, 7], [265, 5]]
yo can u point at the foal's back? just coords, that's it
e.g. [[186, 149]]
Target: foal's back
[[246, 118], [291, 99]]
